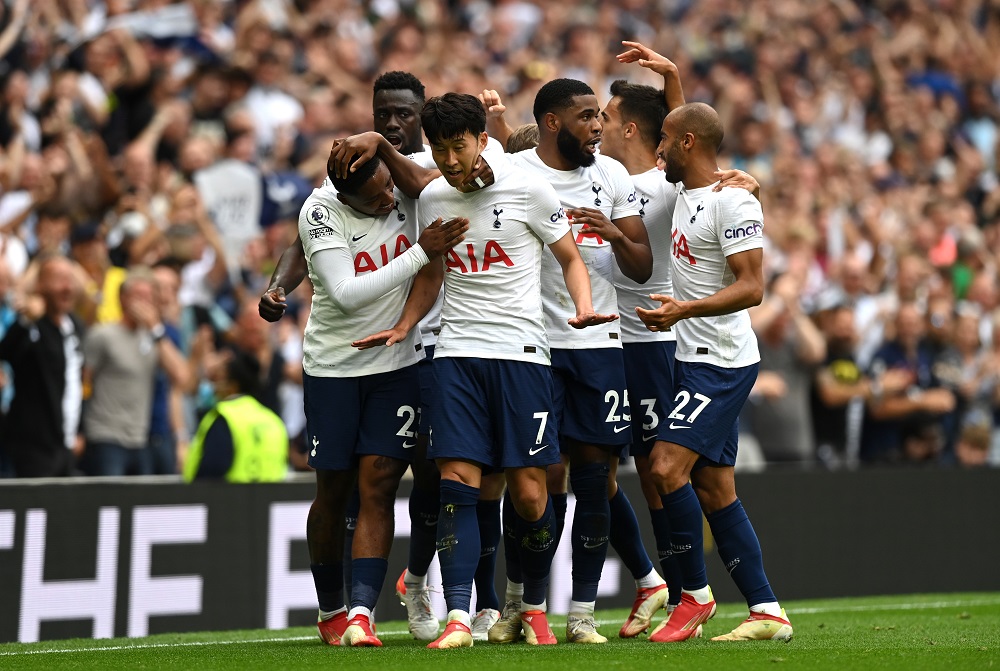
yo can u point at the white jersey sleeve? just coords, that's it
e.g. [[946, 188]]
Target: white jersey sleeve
[[739, 220]]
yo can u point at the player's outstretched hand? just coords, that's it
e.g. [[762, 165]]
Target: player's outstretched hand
[[481, 176], [647, 58], [344, 151], [594, 221], [439, 237], [662, 318], [590, 319], [386, 338], [736, 179], [272, 304], [492, 104]]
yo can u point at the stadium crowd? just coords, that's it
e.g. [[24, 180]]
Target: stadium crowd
[[154, 156]]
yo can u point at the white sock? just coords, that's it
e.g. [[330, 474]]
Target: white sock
[[525, 607], [770, 608], [414, 581], [359, 610], [651, 579], [325, 615], [702, 596], [461, 616], [585, 608], [515, 591]]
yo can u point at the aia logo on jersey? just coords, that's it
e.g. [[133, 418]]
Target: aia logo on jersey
[[642, 205], [695, 216], [681, 248], [596, 188], [472, 262], [399, 213], [364, 263], [496, 217]]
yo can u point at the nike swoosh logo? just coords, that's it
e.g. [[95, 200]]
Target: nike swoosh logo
[[679, 426], [619, 429], [591, 546], [407, 446], [357, 237], [646, 439], [536, 450]]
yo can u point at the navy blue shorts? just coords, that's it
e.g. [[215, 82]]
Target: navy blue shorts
[[428, 390], [495, 412], [347, 417], [590, 396], [705, 411], [649, 372]]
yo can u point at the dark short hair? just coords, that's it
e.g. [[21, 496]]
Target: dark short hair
[[558, 95], [642, 105], [397, 80], [351, 184], [243, 370], [452, 115]]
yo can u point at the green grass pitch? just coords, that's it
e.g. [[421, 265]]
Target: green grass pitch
[[935, 631]]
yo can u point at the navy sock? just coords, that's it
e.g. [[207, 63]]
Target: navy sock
[[537, 543], [559, 508], [424, 507], [368, 575], [350, 522], [329, 581], [626, 538], [740, 552], [591, 527], [488, 516], [458, 542], [511, 552], [668, 562], [687, 536]]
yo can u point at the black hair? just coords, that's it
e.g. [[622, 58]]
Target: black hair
[[243, 370], [557, 95], [642, 105], [398, 80], [355, 180], [452, 115]]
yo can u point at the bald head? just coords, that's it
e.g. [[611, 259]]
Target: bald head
[[701, 121]]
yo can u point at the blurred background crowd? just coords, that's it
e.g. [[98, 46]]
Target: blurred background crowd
[[154, 155]]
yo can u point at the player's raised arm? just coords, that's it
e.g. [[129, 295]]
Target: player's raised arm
[[496, 125], [350, 153], [287, 276], [661, 65], [578, 283]]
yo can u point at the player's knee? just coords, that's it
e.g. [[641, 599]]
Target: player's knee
[[648, 485], [529, 498], [712, 496], [589, 481], [664, 476], [555, 478]]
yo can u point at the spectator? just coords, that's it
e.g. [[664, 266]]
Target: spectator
[[121, 362], [40, 435], [239, 440]]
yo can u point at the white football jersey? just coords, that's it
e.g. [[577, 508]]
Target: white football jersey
[[607, 186], [326, 223], [708, 226], [492, 301], [656, 197]]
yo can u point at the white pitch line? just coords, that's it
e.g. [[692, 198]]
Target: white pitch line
[[402, 632]]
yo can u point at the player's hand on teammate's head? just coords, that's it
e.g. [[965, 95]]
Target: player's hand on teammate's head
[[662, 318], [272, 304], [582, 321], [350, 153], [646, 57], [481, 175], [736, 179], [386, 338], [492, 104], [441, 236]]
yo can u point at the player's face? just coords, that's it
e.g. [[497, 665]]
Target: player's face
[[580, 131], [397, 119], [456, 157], [612, 140], [669, 151], [375, 197]]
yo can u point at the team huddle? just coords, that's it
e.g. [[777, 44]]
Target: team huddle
[[508, 313]]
